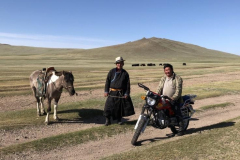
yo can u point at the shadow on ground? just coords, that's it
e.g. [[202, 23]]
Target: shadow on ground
[[139, 143], [214, 126], [85, 116], [190, 131]]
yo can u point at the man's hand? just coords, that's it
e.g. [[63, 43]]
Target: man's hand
[[105, 94], [125, 96]]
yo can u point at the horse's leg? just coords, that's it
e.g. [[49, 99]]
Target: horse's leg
[[38, 108], [38, 101], [43, 112], [48, 111], [55, 109]]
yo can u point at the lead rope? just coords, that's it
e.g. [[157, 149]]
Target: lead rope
[[115, 96], [121, 104], [121, 97]]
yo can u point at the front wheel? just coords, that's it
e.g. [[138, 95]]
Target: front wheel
[[139, 128]]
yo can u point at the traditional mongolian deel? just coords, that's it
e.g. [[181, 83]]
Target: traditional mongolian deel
[[118, 85]]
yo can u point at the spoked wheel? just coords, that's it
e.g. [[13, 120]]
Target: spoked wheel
[[139, 128]]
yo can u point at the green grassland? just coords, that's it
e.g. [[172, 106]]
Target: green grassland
[[69, 139], [75, 111], [90, 68]]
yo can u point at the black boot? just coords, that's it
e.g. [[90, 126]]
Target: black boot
[[108, 121], [181, 129], [119, 121]]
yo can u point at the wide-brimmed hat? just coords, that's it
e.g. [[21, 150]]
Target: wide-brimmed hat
[[119, 59]]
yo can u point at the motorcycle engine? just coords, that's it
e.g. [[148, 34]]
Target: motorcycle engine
[[162, 119]]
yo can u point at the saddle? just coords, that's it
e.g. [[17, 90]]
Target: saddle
[[48, 73], [42, 80]]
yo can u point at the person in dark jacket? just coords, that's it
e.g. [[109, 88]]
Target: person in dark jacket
[[117, 91]]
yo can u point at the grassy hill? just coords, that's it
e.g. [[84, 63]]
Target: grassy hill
[[208, 73], [90, 66], [162, 50], [152, 49]]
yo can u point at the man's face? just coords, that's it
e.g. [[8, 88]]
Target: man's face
[[119, 65], [168, 71]]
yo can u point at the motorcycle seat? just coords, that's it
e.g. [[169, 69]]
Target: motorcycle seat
[[186, 100]]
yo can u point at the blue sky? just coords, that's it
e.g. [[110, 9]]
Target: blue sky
[[214, 24]]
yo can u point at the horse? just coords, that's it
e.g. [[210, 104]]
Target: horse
[[54, 88]]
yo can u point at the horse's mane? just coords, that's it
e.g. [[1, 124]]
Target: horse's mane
[[59, 73], [68, 76]]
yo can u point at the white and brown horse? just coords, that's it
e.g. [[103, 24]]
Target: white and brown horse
[[55, 85]]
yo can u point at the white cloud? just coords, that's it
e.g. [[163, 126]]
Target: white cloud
[[52, 41]]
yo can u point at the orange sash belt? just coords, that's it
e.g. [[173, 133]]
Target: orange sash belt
[[113, 89]]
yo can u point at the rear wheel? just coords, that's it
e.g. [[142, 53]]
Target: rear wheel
[[141, 124]]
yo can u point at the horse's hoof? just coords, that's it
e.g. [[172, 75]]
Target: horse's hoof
[[46, 123], [56, 119], [44, 113]]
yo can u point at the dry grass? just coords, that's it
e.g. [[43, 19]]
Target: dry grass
[[90, 68], [71, 111], [221, 105], [14, 80], [220, 141], [69, 139]]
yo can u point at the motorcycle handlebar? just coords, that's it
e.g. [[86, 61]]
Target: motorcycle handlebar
[[166, 97], [146, 88], [142, 86]]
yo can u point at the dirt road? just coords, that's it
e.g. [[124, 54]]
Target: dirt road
[[115, 144], [28, 101]]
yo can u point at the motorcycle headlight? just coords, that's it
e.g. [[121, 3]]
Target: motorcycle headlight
[[151, 101]]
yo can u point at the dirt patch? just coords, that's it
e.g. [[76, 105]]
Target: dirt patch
[[121, 143], [28, 101]]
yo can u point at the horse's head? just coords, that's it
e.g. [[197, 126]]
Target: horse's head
[[68, 82]]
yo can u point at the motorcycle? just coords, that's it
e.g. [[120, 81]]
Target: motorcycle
[[158, 112]]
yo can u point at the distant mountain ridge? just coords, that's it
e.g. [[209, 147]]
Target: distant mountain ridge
[[163, 49], [143, 49]]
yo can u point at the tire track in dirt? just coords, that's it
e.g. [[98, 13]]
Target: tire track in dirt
[[84, 150], [122, 142], [30, 133], [28, 101]]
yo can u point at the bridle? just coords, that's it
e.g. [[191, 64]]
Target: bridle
[[62, 85]]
